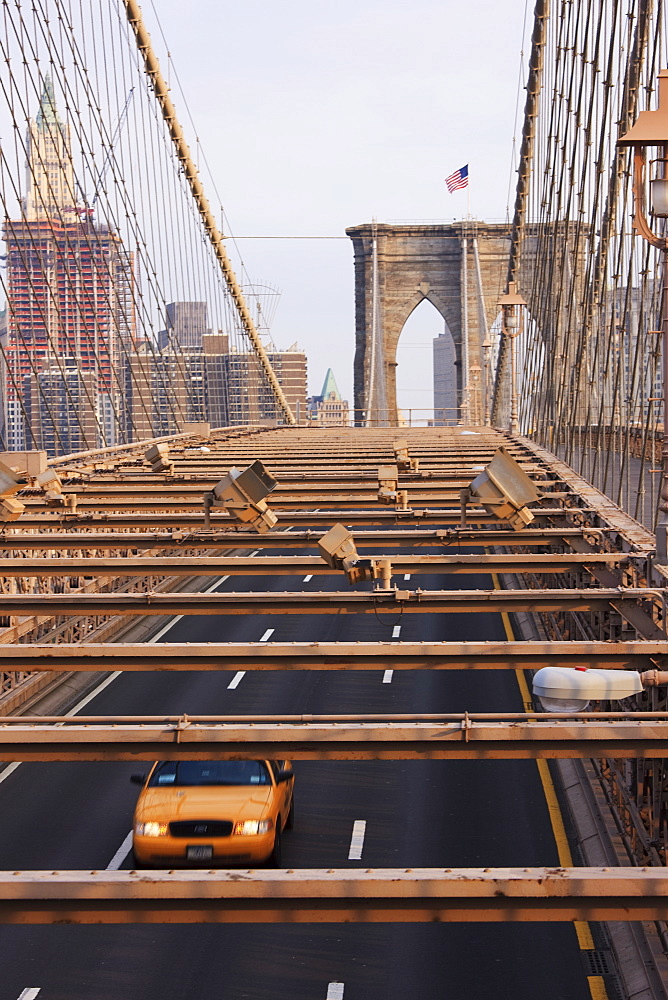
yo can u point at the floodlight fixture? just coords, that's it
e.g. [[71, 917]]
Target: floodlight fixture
[[402, 456], [49, 482], [388, 483], [242, 493], [10, 509], [11, 481], [337, 548], [505, 490], [158, 456]]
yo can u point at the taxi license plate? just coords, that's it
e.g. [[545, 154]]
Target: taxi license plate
[[199, 853]]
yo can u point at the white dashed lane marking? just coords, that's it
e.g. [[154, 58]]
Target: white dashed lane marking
[[308, 578], [407, 576], [396, 631], [173, 621], [94, 693], [387, 676], [236, 680], [121, 854], [9, 770], [267, 635], [31, 992], [357, 840], [335, 991], [73, 711]]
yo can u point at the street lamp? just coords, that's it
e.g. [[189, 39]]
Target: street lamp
[[512, 309], [651, 129], [563, 689]]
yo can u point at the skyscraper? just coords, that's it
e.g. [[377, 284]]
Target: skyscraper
[[70, 296], [446, 410], [49, 170], [187, 323], [329, 409]]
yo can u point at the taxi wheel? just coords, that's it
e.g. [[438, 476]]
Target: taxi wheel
[[290, 821], [275, 856]]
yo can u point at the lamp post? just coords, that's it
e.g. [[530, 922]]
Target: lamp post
[[512, 308], [651, 129], [486, 347]]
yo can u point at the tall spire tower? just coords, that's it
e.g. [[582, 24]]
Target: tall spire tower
[[50, 174], [70, 306]]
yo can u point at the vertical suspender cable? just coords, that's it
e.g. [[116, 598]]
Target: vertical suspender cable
[[161, 91], [534, 83]]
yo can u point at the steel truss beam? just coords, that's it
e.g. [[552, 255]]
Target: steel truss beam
[[554, 562], [222, 522], [323, 603], [333, 656], [281, 539], [420, 895], [438, 737]]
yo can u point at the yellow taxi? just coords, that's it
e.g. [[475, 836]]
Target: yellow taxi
[[212, 812]]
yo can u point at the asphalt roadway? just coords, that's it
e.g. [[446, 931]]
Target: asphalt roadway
[[431, 814]]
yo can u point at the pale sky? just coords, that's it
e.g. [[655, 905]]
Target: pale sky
[[318, 116]]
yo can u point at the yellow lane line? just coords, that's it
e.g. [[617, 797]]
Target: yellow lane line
[[585, 940]]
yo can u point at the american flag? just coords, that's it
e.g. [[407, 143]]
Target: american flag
[[458, 180]]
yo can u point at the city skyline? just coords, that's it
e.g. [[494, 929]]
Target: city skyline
[[76, 373], [70, 304]]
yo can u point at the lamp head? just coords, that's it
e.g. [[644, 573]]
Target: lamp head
[[337, 548], [505, 489], [513, 298], [651, 127], [564, 689], [242, 493], [510, 307], [658, 195]]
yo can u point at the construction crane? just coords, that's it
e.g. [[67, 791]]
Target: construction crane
[[89, 209]]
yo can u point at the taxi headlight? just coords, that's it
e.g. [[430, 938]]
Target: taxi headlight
[[151, 829], [253, 827]]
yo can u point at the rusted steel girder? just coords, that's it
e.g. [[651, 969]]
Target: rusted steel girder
[[444, 737], [553, 562], [323, 603], [280, 539], [333, 656], [337, 504], [221, 521], [336, 490], [409, 895], [591, 498]]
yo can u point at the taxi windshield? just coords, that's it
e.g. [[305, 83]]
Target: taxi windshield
[[205, 772]]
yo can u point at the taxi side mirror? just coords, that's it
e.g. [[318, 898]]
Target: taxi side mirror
[[284, 775], [138, 779]]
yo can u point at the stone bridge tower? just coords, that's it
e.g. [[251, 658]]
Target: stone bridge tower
[[460, 268]]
